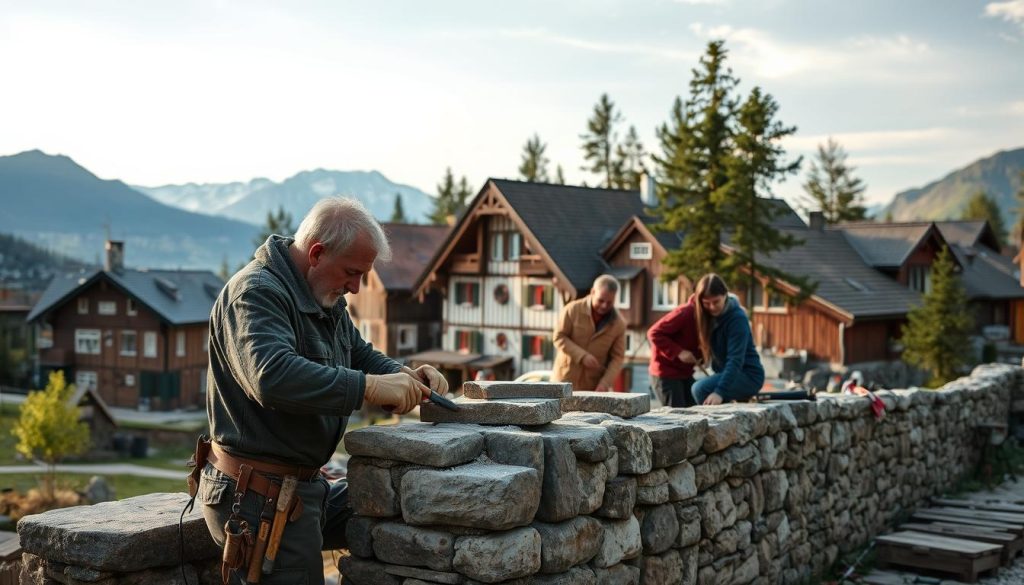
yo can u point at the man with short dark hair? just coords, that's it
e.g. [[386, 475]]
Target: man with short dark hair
[[287, 368], [590, 338]]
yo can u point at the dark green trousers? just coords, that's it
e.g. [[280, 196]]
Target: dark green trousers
[[325, 513]]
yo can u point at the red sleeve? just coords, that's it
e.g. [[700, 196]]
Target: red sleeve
[[664, 334]]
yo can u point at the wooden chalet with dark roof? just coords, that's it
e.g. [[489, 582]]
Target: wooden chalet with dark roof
[[138, 337], [519, 253], [385, 310]]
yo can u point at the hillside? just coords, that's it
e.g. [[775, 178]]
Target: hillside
[[25, 266], [57, 204], [998, 175], [251, 201]]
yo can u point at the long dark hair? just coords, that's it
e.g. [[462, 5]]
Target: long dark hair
[[709, 285]]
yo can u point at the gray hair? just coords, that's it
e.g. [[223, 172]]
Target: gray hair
[[607, 282], [336, 222]]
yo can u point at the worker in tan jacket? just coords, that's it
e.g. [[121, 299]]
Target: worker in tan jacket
[[590, 338]]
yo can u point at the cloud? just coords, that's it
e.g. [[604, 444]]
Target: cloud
[[1010, 11], [639, 49]]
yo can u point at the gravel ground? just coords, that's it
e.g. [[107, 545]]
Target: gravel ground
[[1009, 491]]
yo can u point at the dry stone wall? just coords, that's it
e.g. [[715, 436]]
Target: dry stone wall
[[741, 493]]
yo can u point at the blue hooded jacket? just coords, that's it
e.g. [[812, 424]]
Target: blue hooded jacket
[[732, 346]]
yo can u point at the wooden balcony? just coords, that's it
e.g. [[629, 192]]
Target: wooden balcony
[[466, 263], [533, 265]]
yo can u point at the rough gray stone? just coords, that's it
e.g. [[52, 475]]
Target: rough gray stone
[[682, 483], [624, 404], [589, 443], [514, 446], [510, 411], [670, 436], [717, 510], [620, 574], [689, 525], [593, 477], [688, 556], [421, 575], [359, 535], [652, 488], [370, 490], [500, 556], [574, 576], [663, 568], [694, 426], [659, 528], [634, 446], [621, 542], [723, 432], [500, 390], [365, 572], [568, 543], [401, 544], [561, 488], [420, 443], [491, 496], [123, 536], [619, 498]]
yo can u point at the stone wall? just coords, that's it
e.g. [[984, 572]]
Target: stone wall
[[742, 493], [750, 493]]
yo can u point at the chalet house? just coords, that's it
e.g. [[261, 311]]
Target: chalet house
[[139, 337], [385, 310], [519, 253]]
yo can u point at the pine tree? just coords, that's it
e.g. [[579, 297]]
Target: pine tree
[[629, 161], [279, 223], [692, 169], [1019, 235], [981, 206], [831, 187], [756, 163], [224, 273], [559, 175], [398, 215], [48, 428], [600, 139], [937, 332], [446, 203], [534, 165]]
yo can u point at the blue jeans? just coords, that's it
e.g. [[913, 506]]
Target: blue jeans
[[672, 391], [743, 387]]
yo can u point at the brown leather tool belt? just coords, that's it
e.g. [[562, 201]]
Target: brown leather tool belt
[[230, 465]]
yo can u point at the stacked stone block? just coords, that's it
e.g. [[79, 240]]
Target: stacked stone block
[[739, 493]]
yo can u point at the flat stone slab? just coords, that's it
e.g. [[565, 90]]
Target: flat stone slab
[[624, 404], [421, 443], [511, 411], [498, 390], [490, 496], [124, 536]]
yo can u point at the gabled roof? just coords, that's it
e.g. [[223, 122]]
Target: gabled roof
[[178, 297], [885, 245], [412, 247], [845, 282], [987, 274], [86, 394], [975, 232]]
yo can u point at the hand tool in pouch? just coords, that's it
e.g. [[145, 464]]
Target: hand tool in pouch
[[284, 504], [262, 538]]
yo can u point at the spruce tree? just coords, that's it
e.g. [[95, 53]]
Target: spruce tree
[[559, 175], [936, 335], [756, 163], [534, 165], [629, 161], [831, 187], [600, 139], [446, 203], [398, 215], [1019, 229], [279, 223], [981, 206], [692, 169]]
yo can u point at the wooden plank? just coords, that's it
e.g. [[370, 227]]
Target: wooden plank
[[968, 532], [935, 542], [880, 577], [989, 506], [1000, 516], [939, 516]]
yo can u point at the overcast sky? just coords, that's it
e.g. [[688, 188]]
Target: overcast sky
[[224, 90]]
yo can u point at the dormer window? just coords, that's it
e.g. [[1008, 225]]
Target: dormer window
[[640, 251], [919, 278]]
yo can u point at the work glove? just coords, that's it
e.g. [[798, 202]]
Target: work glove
[[399, 391], [429, 376]]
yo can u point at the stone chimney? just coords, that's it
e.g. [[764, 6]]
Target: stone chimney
[[115, 256], [816, 219], [648, 192]]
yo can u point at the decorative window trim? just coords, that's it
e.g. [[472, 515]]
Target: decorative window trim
[[641, 251], [671, 302], [622, 299], [87, 341]]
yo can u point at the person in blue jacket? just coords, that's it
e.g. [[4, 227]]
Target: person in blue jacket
[[725, 341]]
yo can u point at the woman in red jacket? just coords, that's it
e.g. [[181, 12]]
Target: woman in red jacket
[[675, 345]]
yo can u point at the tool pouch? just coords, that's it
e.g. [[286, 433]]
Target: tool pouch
[[197, 463], [237, 545]]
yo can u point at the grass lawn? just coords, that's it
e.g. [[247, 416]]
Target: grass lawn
[[125, 486], [7, 440]]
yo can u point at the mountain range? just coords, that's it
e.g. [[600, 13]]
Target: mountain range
[[251, 201], [998, 175]]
